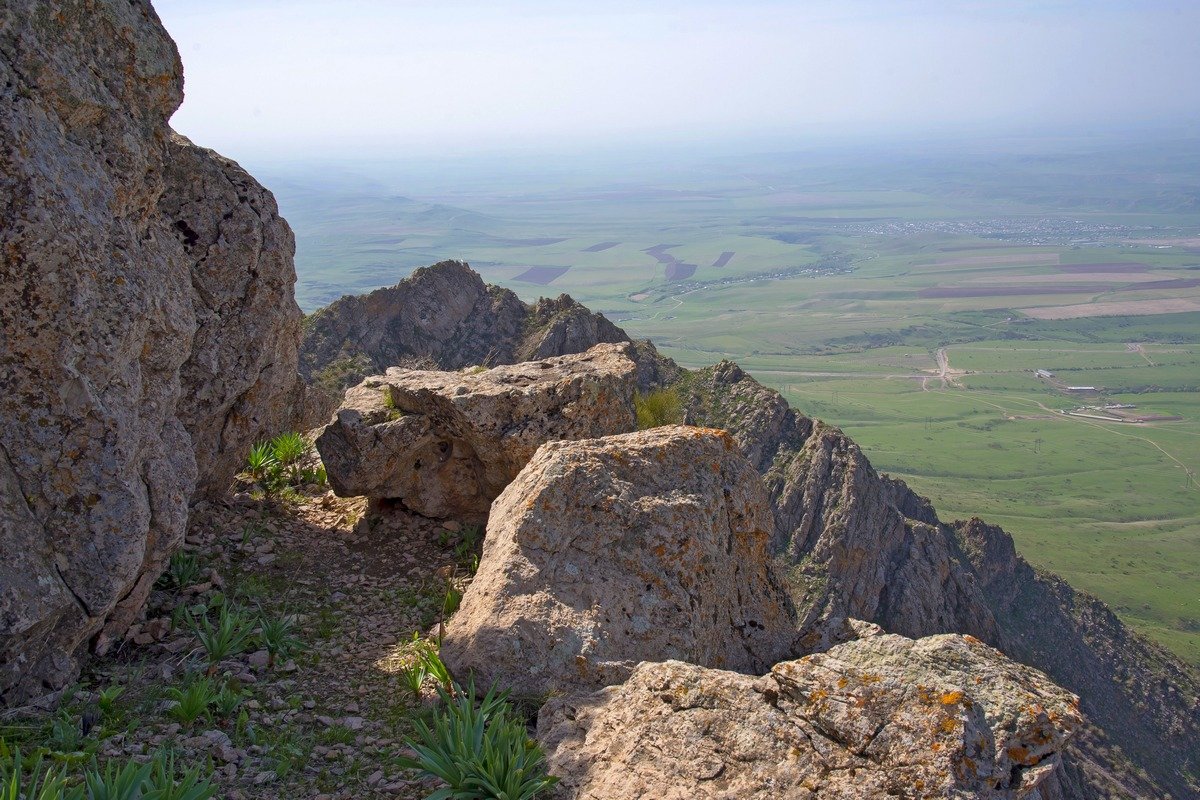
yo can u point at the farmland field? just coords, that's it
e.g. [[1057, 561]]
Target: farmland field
[[905, 296]]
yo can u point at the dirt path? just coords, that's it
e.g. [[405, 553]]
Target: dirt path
[[330, 721], [1141, 351]]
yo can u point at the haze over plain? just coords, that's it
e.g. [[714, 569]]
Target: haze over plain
[[892, 212], [267, 77]]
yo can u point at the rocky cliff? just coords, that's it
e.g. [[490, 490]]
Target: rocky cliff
[[148, 325], [859, 544]]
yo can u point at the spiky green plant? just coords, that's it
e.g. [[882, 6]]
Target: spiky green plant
[[431, 660], [227, 702], [65, 733], [288, 448], [262, 463], [20, 780], [184, 570], [192, 702], [658, 407], [162, 784], [226, 638], [413, 675], [278, 637], [107, 699], [481, 751], [126, 782]]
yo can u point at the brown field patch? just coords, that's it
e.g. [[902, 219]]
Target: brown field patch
[[1123, 308], [541, 275], [677, 271], [596, 248], [723, 259]]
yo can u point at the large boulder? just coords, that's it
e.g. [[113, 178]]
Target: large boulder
[[886, 716], [607, 552], [445, 444], [147, 320]]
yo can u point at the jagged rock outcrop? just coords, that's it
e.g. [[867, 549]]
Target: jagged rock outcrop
[[147, 322], [445, 317], [885, 716], [607, 552], [865, 545], [445, 444]]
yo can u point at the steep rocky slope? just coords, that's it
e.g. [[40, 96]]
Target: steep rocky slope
[[148, 325], [863, 545]]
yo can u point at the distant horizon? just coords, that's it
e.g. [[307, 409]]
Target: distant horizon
[[267, 80]]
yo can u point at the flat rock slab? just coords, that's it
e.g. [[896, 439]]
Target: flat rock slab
[[446, 444], [946, 716], [607, 552]]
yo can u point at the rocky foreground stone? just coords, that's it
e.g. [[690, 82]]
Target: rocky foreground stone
[[607, 552], [445, 444], [148, 327], [945, 716]]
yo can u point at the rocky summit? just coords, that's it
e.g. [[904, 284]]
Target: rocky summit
[[736, 606]]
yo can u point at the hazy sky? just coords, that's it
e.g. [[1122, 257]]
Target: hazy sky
[[438, 76]]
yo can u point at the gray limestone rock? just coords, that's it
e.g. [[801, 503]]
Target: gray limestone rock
[[446, 444], [941, 717], [146, 319], [607, 552]]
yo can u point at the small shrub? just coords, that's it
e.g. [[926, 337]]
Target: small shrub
[[479, 750], [657, 408]]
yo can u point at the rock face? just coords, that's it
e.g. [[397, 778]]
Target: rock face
[[446, 317], [147, 322], [607, 552], [886, 716], [446, 444], [865, 545]]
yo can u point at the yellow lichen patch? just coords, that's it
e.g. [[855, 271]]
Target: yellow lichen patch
[[871, 677], [952, 698], [948, 725], [843, 682]]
